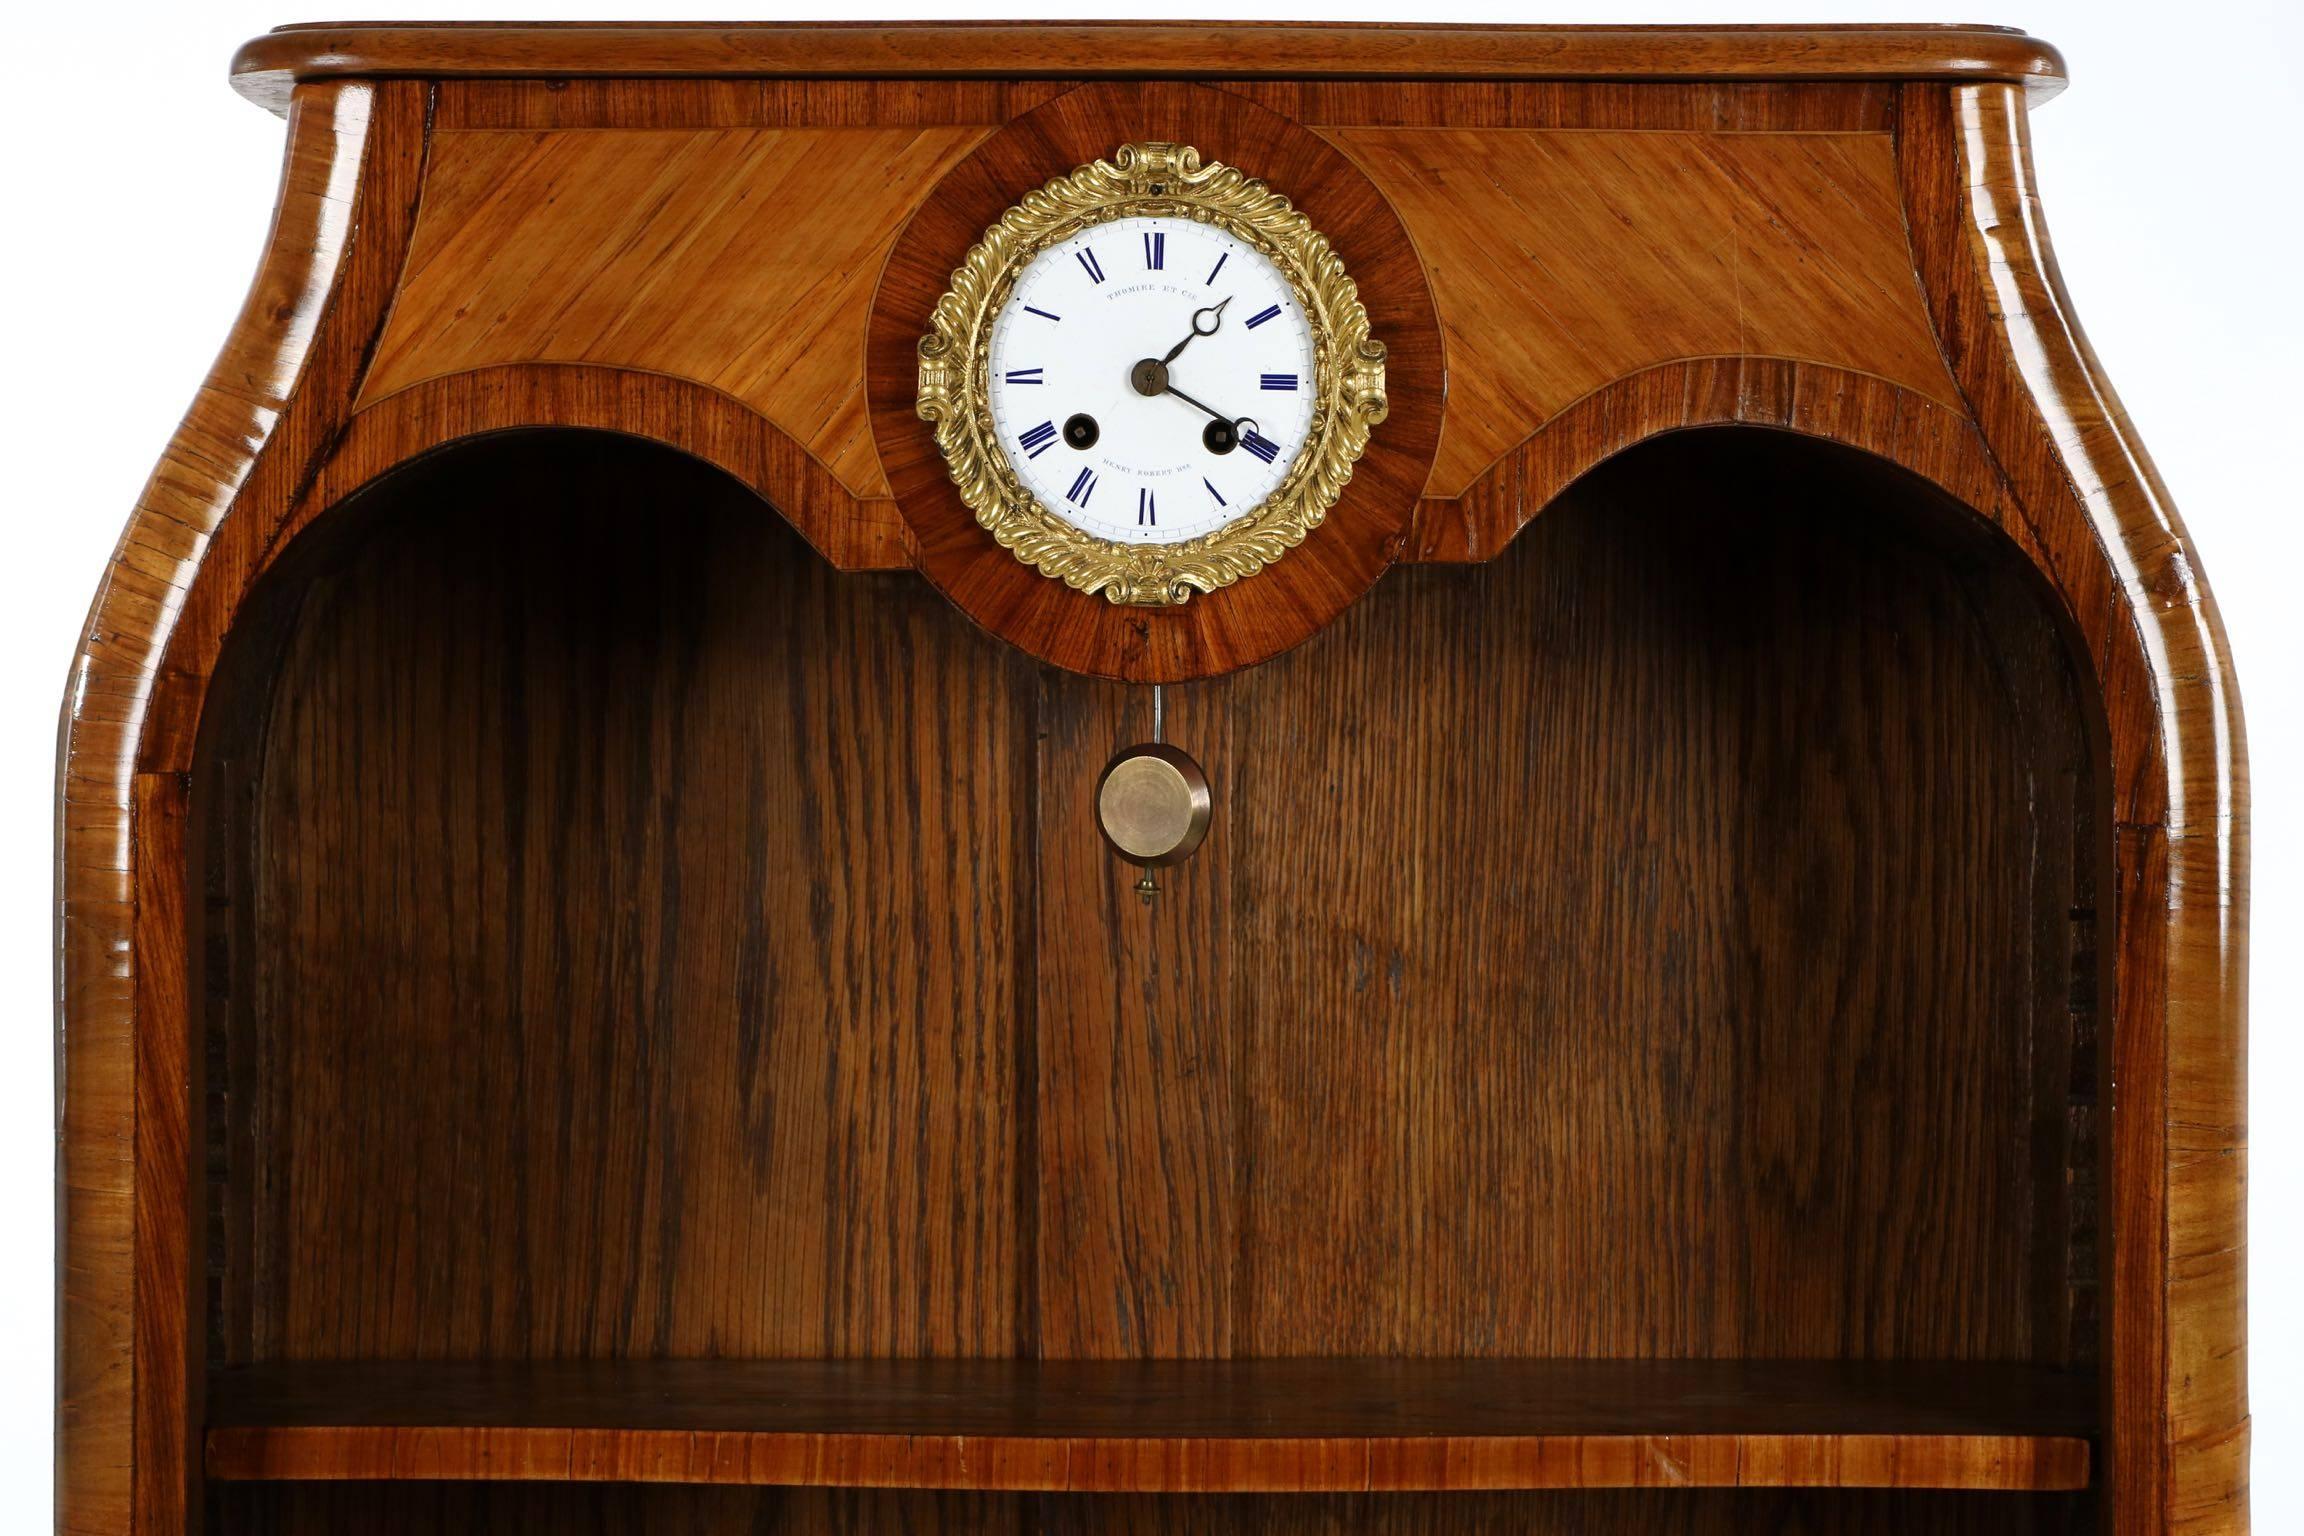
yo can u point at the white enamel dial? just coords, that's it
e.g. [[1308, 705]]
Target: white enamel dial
[[1131, 457]]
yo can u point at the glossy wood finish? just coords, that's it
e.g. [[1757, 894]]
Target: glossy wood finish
[[1301, 1426], [1575, 259], [745, 261], [1150, 1189], [283, 379], [596, 1509], [2180, 797], [1773, 243], [267, 66], [1295, 596]]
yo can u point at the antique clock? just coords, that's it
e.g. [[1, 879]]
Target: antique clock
[[1058, 366], [1237, 778]]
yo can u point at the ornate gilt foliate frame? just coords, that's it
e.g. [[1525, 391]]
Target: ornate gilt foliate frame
[[1160, 181]]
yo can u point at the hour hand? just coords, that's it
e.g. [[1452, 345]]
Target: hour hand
[[1213, 314]]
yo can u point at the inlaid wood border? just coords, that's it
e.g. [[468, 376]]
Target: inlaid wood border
[[853, 533]]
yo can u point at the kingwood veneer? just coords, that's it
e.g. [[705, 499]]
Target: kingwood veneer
[[1712, 1003]]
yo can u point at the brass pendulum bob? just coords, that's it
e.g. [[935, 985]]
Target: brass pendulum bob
[[1153, 804]]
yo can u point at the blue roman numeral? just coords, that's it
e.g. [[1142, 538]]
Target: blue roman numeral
[[1212, 271], [1035, 442], [1271, 380], [1043, 314], [1147, 513], [1257, 320], [1219, 495], [1088, 263], [1082, 488], [1261, 446], [1155, 252], [1032, 376]]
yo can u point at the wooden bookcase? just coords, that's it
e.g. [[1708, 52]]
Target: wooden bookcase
[[593, 999]]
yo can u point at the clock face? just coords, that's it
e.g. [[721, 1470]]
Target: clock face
[[1151, 379]]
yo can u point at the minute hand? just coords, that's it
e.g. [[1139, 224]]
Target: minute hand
[[1205, 406]]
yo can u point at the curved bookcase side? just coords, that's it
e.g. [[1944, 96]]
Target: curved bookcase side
[[285, 374], [2177, 1395]]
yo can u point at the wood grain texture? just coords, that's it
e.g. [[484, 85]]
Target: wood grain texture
[[657, 103], [643, 892], [662, 105], [1725, 980], [1661, 106], [169, 1195], [517, 1509], [1562, 262], [267, 66], [2177, 1337], [742, 260], [1290, 599], [351, 166], [1409, 1005], [1358, 1426]]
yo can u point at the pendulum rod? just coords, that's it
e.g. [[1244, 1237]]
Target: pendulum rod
[[1148, 888]]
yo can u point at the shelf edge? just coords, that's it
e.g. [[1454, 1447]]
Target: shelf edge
[[1107, 1464]]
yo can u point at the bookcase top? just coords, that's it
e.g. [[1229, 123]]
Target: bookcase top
[[267, 68]]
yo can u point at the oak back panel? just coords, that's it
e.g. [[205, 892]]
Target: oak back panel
[[633, 938]]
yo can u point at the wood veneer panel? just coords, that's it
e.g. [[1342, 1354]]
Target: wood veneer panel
[[741, 260], [628, 967], [626, 101], [1723, 106], [1303, 1425], [1573, 259]]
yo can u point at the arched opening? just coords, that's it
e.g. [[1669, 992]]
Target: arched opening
[[630, 939]]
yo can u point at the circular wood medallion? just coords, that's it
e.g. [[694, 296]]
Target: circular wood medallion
[[1256, 617]]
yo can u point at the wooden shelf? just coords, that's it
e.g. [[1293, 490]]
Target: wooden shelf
[[1316, 1425]]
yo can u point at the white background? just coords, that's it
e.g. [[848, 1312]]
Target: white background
[[138, 192]]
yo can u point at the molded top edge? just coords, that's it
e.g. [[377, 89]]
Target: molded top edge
[[267, 68]]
